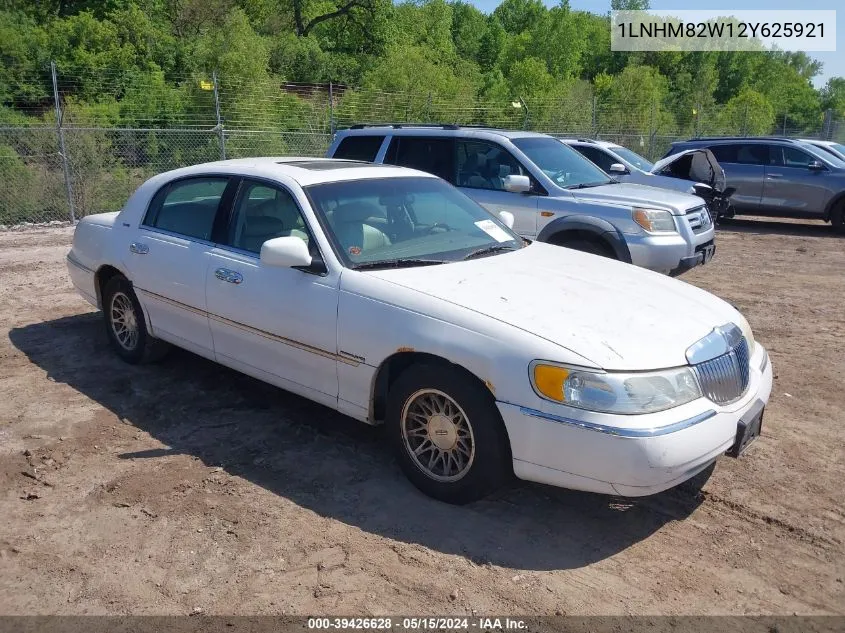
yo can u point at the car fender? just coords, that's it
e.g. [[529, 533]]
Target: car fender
[[831, 205], [587, 224]]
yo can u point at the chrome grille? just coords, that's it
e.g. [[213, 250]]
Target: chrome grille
[[699, 219], [724, 379]]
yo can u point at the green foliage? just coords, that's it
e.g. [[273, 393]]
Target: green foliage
[[146, 67], [748, 113]]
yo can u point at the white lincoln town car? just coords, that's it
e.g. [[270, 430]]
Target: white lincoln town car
[[387, 294]]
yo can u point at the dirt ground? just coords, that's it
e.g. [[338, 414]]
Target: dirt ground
[[179, 486]]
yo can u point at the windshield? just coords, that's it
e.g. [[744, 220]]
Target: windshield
[[406, 221], [836, 150], [633, 158], [565, 166], [824, 154]]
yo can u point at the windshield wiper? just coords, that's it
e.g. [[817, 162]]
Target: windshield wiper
[[587, 185], [487, 250], [396, 263]]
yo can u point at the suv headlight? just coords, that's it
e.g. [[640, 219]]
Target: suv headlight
[[655, 220], [628, 393]]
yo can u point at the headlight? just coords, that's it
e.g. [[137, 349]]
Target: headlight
[[655, 220], [611, 392], [747, 333]]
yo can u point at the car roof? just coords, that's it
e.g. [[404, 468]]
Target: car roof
[[305, 170], [710, 140], [817, 141], [440, 130], [588, 141]]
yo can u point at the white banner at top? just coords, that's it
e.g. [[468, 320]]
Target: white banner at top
[[723, 30]]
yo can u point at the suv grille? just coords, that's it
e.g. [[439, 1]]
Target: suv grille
[[724, 379], [699, 219]]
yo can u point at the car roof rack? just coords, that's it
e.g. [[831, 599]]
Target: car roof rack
[[397, 126], [441, 126], [740, 138]]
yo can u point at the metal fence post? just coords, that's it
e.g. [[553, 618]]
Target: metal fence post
[[331, 108], [60, 131], [827, 126], [697, 120], [220, 134], [745, 121], [651, 131], [595, 131], [526, 121]]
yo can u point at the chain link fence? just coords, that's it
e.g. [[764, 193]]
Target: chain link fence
[[62, 158]]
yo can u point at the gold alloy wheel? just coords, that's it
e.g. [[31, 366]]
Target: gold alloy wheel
[[437, 435], [124, 321]]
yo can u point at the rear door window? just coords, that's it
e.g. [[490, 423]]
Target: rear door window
[[752, 154], [725, 153], [187, 207], [602, 159], [426, 153], [483, 165], [359, 148]]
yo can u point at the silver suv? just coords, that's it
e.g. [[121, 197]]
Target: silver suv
[[779, 176], [555, 194]]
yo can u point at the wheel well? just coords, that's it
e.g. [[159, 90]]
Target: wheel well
[[562, 237], [103, 275], [839, 200], [394, 365]]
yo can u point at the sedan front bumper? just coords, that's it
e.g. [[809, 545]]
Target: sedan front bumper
[[598, 453]]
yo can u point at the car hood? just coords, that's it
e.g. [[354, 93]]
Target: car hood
[[616, 315], [640, 195], [667, 182]]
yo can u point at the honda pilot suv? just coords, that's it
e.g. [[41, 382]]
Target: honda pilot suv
[[779, 176], [554, 194]]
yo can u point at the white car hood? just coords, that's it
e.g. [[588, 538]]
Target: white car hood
[[640, 195], [616, 315]]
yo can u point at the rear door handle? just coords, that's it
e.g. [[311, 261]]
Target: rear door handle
[[774, 175], [138, 248], [230, 276]]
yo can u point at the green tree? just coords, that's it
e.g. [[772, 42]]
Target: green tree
[[517, 16], [748, 113]]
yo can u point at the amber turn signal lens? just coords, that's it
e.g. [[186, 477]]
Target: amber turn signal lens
[[549, 379]]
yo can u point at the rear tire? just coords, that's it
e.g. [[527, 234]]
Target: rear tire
[[126, 326], [447, 434]]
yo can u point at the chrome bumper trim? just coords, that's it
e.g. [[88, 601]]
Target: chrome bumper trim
[[78, 265], [616, 431]]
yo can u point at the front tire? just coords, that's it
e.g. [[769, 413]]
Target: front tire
[[837, 218], [447, 434], [125, 324]]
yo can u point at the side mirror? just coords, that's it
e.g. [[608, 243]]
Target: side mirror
[[517, 184], [618, 168], [815, 166], [285, 252], [507, 218]]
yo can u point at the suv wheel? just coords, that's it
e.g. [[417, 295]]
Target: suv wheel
[[837, 217]]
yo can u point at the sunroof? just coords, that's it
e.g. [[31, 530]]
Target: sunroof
[[326, 165]]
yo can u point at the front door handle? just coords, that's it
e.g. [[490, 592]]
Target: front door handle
[[230, 276], [138, 248], [774, 175]]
